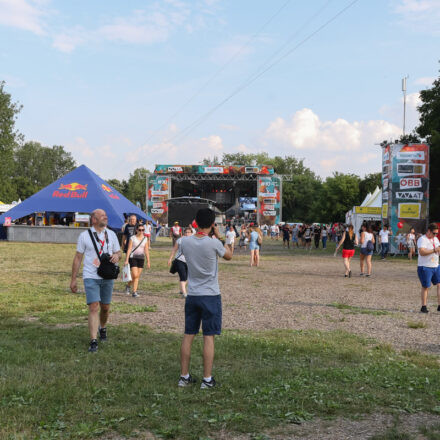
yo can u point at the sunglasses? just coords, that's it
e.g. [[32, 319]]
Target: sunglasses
[[141, 229]]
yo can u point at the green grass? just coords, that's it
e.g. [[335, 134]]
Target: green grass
[[358, 310], [51, 387]]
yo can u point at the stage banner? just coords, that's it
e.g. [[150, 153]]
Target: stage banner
[[158, 191], [405, 190], [269, 200], [216, 169]]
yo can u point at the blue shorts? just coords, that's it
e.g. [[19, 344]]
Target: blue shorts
[[206, 310], [98, 290], [294, 239], [428, 275]]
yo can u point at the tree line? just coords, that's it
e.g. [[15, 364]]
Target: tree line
[[27, 166]]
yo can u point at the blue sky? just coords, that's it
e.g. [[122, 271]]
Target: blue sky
[[104, 78]]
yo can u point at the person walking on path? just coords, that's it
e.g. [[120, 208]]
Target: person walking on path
[[175, 232], [254, 247], [181, 266], [427, 264], [348, 242], [367, 248], [317, 235], [411, 243], [98, 290], [286, 236], [230, 238], [308, 237], [128, 231], [138, 250], [384, 240], [203, 304], [324, 235]]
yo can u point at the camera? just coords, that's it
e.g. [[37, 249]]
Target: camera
[[105, 257]]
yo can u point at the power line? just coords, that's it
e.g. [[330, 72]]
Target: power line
[[189, 128], [220, 70]]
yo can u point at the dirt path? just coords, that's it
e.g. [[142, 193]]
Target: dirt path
[[306, 292]]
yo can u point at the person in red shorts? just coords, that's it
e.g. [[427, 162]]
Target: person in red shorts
[[348, 242]]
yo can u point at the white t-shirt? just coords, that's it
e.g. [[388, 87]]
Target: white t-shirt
[[148, 229], [138, 246], [273, 229], [384, 236], [85, 246], [230, 237], [427, 243], [176, 230], [368, 236]]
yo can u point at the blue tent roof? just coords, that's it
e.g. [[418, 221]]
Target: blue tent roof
[[81, 190]]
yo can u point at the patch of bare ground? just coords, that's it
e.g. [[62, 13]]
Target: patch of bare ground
[[305, 292]]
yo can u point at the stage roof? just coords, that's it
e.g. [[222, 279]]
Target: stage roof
[[225, 170]]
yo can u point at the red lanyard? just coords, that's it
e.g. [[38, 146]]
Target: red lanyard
[[203, 234]]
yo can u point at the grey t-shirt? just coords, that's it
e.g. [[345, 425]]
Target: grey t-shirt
[[201, 257]]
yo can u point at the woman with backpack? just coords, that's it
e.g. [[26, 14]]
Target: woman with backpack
[[367, 248]]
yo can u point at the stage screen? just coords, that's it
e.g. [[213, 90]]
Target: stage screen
[[247, 203]]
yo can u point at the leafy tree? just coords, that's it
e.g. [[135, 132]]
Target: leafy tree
[[339, 194], [137, 186], [119, 185], [429, 129], [37, 166], [9, 137], [368, 184]]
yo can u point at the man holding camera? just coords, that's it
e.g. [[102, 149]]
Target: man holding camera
[[203, 302], [98, 290]]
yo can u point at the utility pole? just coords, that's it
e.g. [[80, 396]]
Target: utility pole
[[404, 101]]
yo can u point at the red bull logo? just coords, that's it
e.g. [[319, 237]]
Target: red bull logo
[[110, 191], [72, 190]]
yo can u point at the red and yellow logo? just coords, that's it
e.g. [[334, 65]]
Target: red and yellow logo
[[110, 191], [72, 190]]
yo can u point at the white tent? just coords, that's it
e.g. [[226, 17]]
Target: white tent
[[369, 210]]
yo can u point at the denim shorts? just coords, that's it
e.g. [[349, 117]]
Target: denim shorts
[[428, 275], [206, 310], [98, 290]]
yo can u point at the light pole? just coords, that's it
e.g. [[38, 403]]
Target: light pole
[[404, 101]]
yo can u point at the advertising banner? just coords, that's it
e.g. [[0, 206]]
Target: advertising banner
[[269, 200], [158, 191], [405, 188], [367, 210], [218, 169]]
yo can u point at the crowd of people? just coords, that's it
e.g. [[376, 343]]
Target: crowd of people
[[194, 257]]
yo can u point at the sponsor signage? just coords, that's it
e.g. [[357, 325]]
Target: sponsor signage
[[410, 182], [269, 203], [385, 195], [271, 195], [269, 213], [8, 221], [73, 190], [367, 210], [409, 195], [385, 184], [175, 169], [159, 193], [406, 169], [214, 170], [157, 211], [409, 210], [385, 210], [411, 155]]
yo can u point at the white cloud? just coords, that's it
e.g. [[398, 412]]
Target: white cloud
[[68, 40], [329, 146], [23, 14], [237, 48], [425, 81], [419, 15]]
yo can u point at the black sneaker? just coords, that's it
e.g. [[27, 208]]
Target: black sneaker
[[103, 334], [438, 308], [186, 382], [424, 309], [93, 346], [205, 385]]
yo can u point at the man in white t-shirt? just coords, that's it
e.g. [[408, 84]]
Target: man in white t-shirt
[[427, 264], [175, 232], [98, 290], [384, 235], [230, 238]]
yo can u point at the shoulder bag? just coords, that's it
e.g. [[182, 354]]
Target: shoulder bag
[[106, 270]]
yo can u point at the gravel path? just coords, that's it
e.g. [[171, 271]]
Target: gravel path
[[300, 291]]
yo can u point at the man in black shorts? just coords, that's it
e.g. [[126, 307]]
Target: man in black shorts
[[203, 304]]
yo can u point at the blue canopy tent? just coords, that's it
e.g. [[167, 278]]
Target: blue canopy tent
[[82, 191]]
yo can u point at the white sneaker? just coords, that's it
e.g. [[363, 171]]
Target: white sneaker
[[127, 290], [135, 295]]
